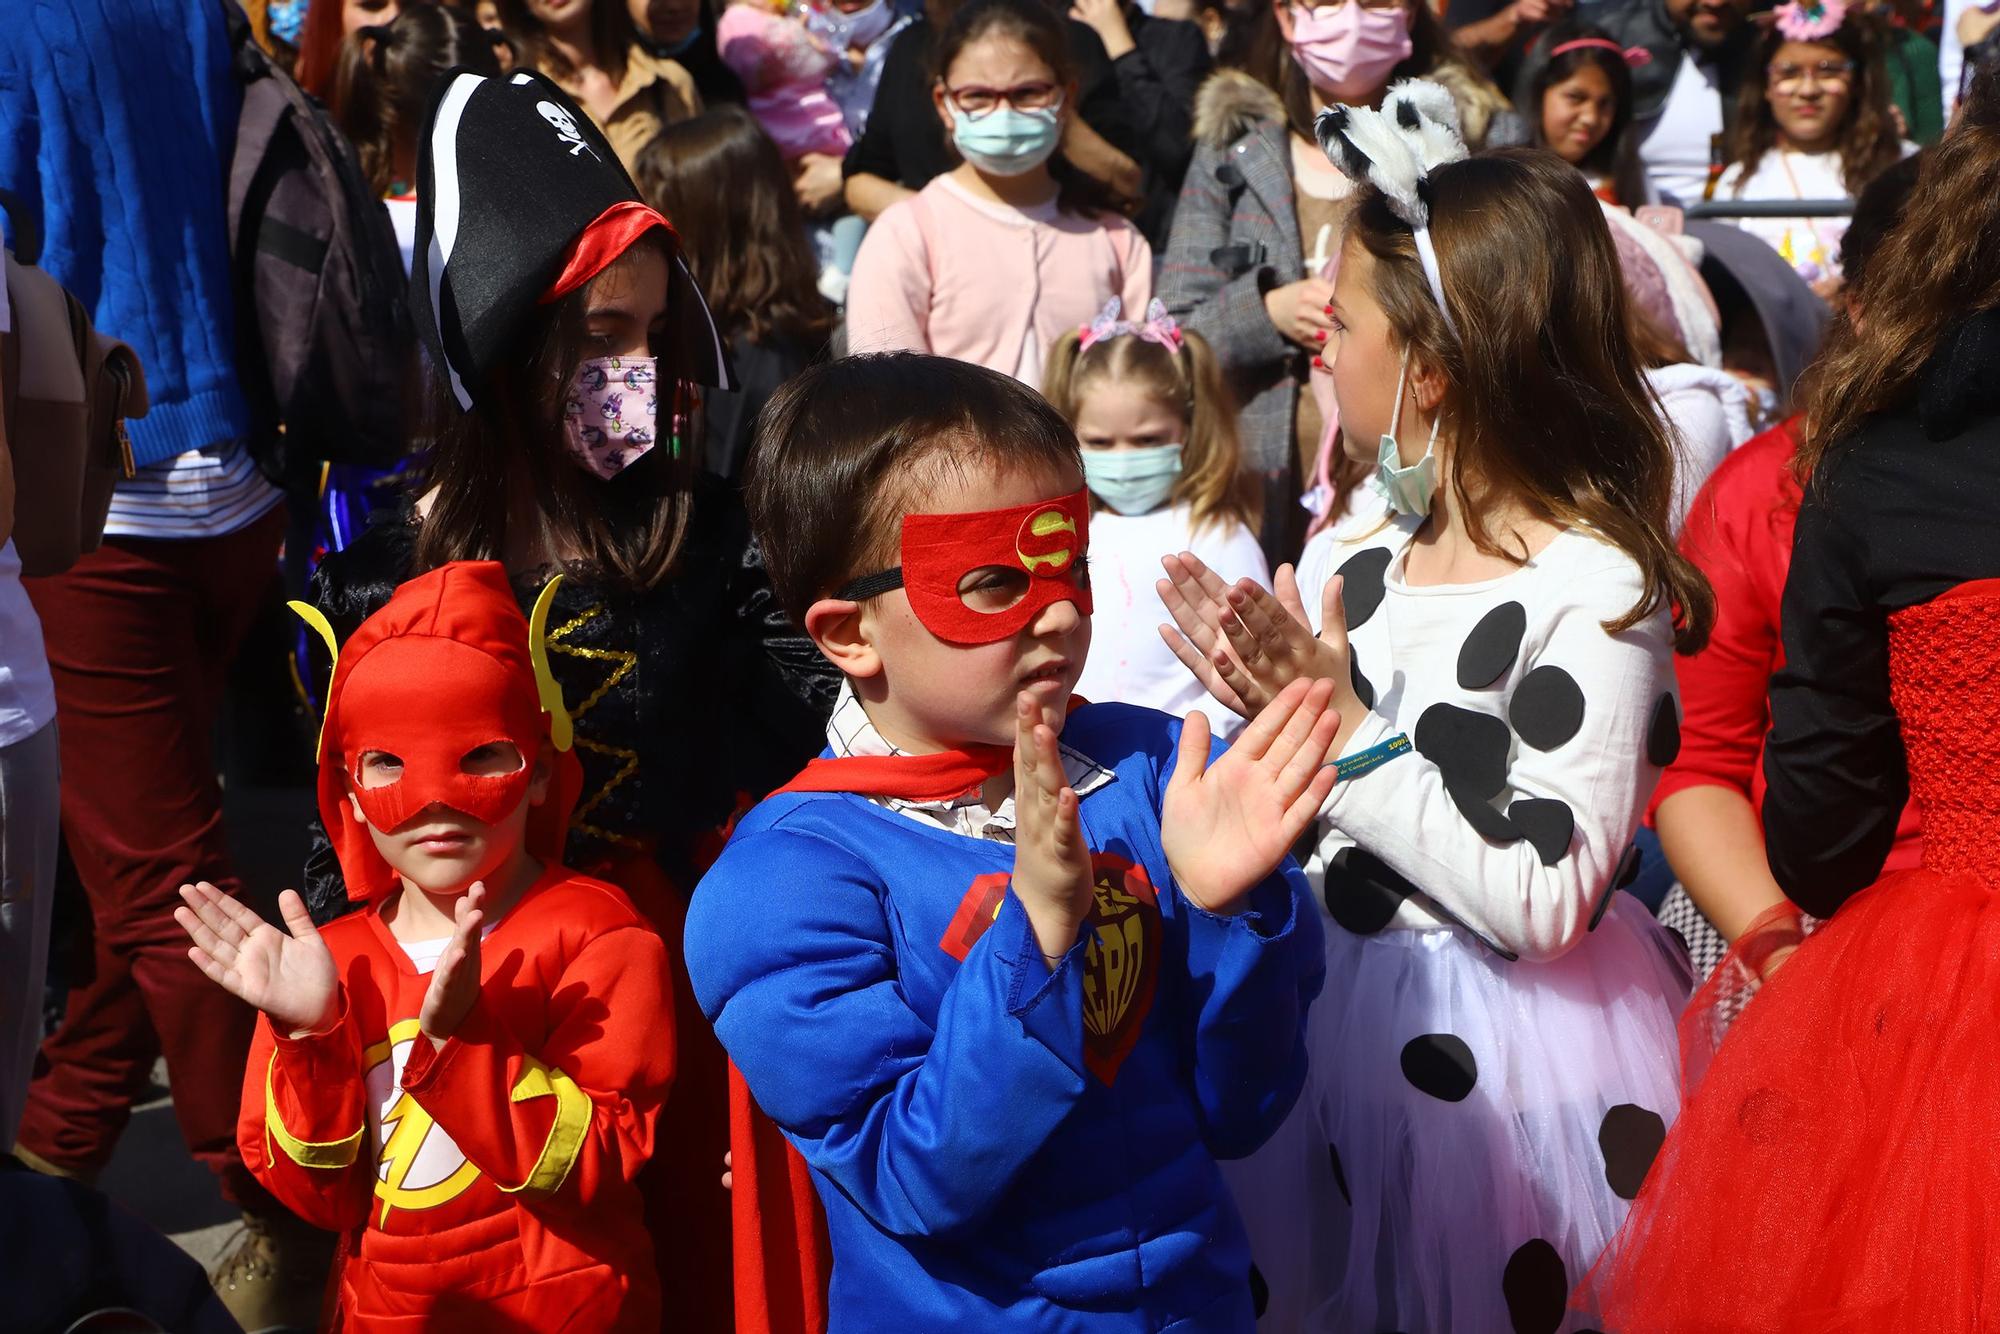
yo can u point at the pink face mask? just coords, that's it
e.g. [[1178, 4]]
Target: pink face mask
[[1349, 52], [612, 418]]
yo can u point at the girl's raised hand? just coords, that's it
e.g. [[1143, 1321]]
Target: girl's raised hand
[[289, 974], [1052, 874], [1192, 593], [1244, 644], [455, 983], [1225, 826]]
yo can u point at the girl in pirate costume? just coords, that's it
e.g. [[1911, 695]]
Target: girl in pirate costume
[[465, 1074], [566, 341], [1500, 1059]]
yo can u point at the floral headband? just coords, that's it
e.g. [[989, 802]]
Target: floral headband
[[1159, 326], [1811, 20], [1633, 56]]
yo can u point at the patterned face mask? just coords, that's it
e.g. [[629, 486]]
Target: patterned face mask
[[611, 419]]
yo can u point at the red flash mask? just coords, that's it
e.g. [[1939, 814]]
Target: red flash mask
[[443, 669], [982, 577]]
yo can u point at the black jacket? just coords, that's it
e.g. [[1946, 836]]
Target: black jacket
[[1906, 508]]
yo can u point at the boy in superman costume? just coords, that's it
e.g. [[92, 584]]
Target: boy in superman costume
[[466, 1073], [1009, 971]]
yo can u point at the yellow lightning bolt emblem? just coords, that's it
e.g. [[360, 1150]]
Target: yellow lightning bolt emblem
[[406, 1128]]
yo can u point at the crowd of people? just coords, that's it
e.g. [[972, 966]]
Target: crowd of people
[[1211, 665]]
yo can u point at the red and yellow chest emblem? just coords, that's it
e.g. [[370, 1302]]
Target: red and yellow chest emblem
[[1121, 961]]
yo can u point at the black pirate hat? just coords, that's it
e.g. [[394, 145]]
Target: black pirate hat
[[510, 176]]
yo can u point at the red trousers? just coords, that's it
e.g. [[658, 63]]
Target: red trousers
[[140, 636]]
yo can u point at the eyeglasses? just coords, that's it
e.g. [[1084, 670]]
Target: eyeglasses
[[1786, 77], [1330, 6], [976, 101]]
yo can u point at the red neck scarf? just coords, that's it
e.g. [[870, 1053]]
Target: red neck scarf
[[943, 776]]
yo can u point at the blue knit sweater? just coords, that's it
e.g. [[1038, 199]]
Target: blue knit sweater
[[119, 117]]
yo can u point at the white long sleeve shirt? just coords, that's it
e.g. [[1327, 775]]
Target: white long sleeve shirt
[[1513, 693]]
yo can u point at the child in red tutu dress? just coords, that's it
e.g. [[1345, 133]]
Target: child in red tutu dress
[[1834, 1169]]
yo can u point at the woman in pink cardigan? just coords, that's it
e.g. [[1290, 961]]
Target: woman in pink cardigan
[[996, 259]]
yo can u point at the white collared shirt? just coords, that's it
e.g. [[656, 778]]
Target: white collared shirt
[[850, 732]]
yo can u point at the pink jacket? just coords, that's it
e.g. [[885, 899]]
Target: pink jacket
[[961, 277]]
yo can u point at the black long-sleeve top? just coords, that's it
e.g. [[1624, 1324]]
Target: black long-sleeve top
[[1157, 80], [1903, 510], [685, 698]]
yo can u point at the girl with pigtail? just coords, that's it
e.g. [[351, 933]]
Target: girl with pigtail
[[1164, 469], [1490, 1084]]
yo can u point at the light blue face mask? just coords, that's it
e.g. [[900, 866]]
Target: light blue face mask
[[1132, 481], [1407, 489], [1006, 142]]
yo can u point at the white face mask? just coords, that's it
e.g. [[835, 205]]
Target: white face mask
[[1407, 489]]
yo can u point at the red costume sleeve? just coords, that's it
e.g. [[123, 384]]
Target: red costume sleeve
[[554, 1123], [303, 1122], [1730, 535]]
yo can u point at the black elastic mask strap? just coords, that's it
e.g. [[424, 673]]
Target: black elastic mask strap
[[870, 585]]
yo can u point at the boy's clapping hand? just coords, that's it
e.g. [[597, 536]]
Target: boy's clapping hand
[[455, 983], [1225, 826], [289, 975], [1052, 875]]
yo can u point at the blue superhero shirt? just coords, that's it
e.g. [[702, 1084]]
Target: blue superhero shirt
[[998, 1146]]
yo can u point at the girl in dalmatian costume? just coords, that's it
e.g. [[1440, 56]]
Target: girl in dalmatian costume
[[1494, 1061]]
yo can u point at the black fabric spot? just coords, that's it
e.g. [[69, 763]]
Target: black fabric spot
[[1260, 1292], [1628, 871], [1536, 1286], [1545, 823], [1663, 734], [1406, 114], [1339, 1175], [1547, 708], [1469, 748], [1440, 1065], [1492, 646], [1363, 687], [1479, 813], [1362, 891], [1629, 1137], [1361, 592]]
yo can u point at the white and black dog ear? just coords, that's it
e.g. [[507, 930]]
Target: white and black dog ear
[[1393, 149], [1426, 114], [1368, 151]]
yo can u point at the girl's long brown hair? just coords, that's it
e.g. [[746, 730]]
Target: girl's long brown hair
[[1212, 483], [1543, 388], [387, 73], [503, 480], [724, 184], [612, 34], [1868, 139], [1937, 265]]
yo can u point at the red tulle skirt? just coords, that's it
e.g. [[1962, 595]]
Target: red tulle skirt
[[1837, 1166]]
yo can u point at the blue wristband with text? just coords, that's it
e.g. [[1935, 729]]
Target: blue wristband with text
[[1370, 759]]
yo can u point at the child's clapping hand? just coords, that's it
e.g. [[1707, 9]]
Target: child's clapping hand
[[455, 984], [1052, 875], [1225, 825], [289, 975]]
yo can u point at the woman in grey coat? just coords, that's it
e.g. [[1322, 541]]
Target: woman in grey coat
[[1238, 267]]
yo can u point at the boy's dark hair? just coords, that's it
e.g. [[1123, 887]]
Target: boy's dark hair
[[845, 449]]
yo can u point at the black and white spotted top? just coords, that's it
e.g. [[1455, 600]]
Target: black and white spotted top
[[1539, 738]]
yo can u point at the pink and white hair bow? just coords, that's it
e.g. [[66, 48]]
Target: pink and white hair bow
[[1811, 20], [1159, 326]]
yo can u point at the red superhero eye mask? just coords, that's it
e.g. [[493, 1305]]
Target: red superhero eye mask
[[434, 747], [982, 577]]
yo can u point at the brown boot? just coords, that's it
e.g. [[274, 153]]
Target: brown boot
[[275, 1279]]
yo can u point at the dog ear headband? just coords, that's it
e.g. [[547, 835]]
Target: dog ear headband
[[1395, 149]]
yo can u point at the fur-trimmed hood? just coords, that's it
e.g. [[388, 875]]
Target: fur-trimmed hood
[[1229, 105]]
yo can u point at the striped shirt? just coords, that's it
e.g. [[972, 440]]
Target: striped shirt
[[202, 493]]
